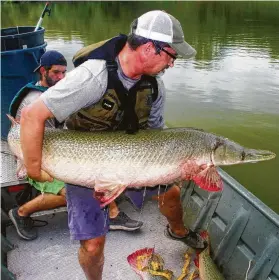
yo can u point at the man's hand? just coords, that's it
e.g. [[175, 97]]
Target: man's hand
[[42, 177]]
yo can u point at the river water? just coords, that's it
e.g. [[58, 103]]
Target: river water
[[231, 87]]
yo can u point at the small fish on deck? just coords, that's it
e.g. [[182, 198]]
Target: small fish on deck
[[149, 265]]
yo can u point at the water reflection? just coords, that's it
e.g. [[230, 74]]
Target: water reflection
[[238, 78], [231, 87]]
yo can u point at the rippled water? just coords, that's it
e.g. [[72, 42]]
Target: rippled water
[[231, 87]]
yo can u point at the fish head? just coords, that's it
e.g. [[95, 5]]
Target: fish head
[[156, 262], [227, 152]]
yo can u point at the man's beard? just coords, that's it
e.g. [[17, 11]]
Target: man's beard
[[161, 73], [50, 82]]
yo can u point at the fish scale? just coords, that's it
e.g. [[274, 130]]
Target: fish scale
[[207, 268]]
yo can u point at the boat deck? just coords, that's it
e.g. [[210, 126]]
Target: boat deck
[[54, 256], [243, 232]]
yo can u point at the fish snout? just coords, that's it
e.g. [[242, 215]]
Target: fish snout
[[229, 153], [251, 155]]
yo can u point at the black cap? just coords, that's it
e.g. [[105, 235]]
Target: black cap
[[50, 58]]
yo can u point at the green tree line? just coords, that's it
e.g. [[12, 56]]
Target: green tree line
[[207, 25]]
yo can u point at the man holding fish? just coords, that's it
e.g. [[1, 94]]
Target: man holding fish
[[114, 87], [52, 69]]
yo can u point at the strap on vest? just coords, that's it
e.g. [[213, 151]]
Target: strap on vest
[[127, 99], [154, 84]]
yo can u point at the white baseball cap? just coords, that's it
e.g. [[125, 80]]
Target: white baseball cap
[[161, 26]]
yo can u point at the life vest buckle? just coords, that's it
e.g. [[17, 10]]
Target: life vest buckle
[[112, 65]]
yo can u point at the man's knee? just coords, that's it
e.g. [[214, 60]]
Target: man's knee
[[173, 192], [63, 192], [93, 247]]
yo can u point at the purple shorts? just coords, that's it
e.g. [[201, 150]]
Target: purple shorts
[[138, 196], [86, 219]]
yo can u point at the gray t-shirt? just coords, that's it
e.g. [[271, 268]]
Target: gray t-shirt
[[85, 86], [28, 99]]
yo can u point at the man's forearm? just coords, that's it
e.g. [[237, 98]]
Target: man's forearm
[[31, 137]]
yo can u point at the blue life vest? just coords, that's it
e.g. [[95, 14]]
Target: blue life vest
[[21, 95]]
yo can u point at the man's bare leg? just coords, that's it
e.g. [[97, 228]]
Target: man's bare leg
[[170, 206], [91, 257], [113, 210], [42, 202], [21, 216]]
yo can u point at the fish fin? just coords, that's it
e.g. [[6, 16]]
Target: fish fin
[[13, 120], [205, 235], [194, 275], [195, 128], [209, 179], [21, 171], [107, 191], [184, 128], [196, 261], [139, 260]]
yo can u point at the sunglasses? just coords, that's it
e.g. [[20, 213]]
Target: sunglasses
[[160, 49]]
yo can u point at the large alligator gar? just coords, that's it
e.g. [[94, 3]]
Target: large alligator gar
[[113, 161]]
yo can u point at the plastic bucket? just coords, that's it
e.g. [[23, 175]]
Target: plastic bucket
[[21, 37], [17, 65]]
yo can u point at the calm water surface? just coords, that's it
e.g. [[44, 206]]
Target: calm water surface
[[231, 87]]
